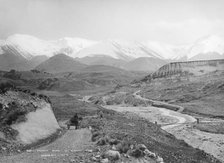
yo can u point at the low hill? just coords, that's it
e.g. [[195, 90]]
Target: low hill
[[89, 78], [145, 64], [60, 63], [102, 60], [10, 61], [195, 68]]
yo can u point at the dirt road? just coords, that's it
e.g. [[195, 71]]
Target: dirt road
[[63, 149]]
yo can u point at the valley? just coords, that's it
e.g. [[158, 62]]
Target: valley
[[111, 81], [172, 107]]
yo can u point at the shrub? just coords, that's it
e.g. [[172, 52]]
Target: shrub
[[35, 71], [4, 87], [123, 147], [33, 94], [12, 74], [96, 135], [14, 116]]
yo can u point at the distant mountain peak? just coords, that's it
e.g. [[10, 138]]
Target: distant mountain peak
[[28, 46], [205, 45], [60, 63]]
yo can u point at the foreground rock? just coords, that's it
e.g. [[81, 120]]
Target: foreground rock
[[112, 155], [25, 118]]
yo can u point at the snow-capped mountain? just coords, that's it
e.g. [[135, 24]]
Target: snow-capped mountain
[[164, 50], [210, 46], [116, 49], [30, 46], [70, 46]]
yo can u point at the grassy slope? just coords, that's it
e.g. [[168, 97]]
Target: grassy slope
[[198, 95], [132, 129], [136, 130], [217, 128], [66, 106]]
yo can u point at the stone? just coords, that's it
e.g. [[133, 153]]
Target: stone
[[114, 147], [113, 141], [149, 153], [104, 160], [93, 159], [97, 156], [159, 159], [89, 150], [72, 160], [142, 147], [112, 155], [136, 153], [3, 148]]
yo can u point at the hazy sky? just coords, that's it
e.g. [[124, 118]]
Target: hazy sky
[[171, 21]]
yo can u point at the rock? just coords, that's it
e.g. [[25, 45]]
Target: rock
[[132, 146], [98, 156], [149, 153], [142, 147], [114, 147], [159, 159], [104, 160], [96, 150], [28, 151], [72, 161], [3, 148], [113, 141], [94, 159], [90, 128], [136, 153], [89, 150], [126, 155], [102, 141], [112, 155]]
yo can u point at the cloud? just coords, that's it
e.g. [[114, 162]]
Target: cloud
[[190, 29]]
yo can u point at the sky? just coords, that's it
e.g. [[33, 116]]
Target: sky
[[169, 21]]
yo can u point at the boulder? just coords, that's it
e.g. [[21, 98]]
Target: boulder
[[149, 153], [112, 155], [136, 153], [113, 141], [104, 160], [142, 147], [159, 159]]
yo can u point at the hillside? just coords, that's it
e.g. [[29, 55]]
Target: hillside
[[60, 63], [102, 60], [195, 68], [9, 61], [89, 78], [196, 85], [145, 64]]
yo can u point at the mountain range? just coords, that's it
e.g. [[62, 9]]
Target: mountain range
[[24, 52]]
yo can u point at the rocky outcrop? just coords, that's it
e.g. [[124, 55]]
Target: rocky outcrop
[[25, 118], [187, 68]]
